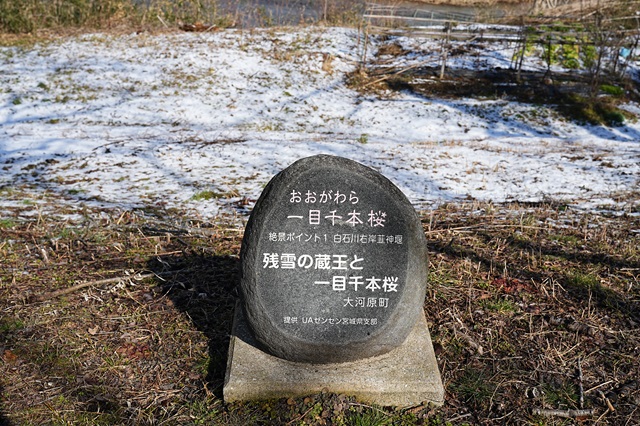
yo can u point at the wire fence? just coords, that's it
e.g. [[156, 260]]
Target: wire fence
[[600, 40]]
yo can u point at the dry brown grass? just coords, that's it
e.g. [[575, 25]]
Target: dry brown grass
[[518, 296]]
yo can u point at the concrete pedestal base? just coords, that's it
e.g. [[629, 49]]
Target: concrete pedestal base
[[406, 376]]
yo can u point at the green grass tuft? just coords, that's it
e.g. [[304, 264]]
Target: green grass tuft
[[593, 111], [474, 387], [612, 90], [7, 223], [206, 195]]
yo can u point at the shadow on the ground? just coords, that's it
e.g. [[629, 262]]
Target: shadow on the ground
[[3, 420], [575, 277], [570, 94], [204, 288]]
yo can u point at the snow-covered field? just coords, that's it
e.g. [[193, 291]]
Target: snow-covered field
[[201, 122]]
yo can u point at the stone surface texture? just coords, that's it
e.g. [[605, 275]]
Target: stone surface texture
[[334, 263], [406, 376]]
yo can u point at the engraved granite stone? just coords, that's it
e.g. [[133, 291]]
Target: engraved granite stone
[[334, 263]]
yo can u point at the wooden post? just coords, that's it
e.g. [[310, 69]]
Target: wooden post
[[445, 49], [522, 52], [326, 7]]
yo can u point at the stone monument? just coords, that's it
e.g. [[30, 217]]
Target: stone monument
[[334, 272]]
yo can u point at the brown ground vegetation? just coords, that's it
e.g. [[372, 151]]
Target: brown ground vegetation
[[473, 2], [520, 299]]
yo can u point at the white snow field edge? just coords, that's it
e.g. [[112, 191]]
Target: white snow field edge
[[201, 122]]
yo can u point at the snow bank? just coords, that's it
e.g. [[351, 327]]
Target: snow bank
[[200, 123]]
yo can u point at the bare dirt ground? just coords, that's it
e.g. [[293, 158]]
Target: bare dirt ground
[[125, 319]]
